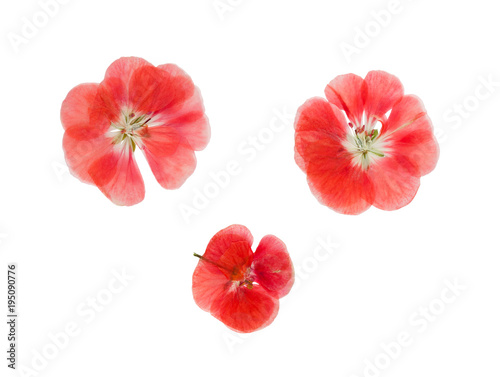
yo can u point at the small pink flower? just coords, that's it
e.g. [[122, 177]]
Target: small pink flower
[[373, 158], [137, 105]]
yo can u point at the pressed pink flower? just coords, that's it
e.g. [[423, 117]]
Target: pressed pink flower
[[137, 105], [239, 287], [374, 157]]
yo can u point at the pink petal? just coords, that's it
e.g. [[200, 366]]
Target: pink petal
[[409, 130], [347, 93], [395, 181], [83, 140], [314, 118], [153, 90], [76, 105], [338, 184], [80, 152], [117, 175], [223, 240], [331, 175], [245, 310], [189, 120], [209, 283], [124, 68], [109, 102], [114, 91], [273, 267], [318, 115], [383, 90], [169, 155]]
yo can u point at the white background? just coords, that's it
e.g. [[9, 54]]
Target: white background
[[258, 58]]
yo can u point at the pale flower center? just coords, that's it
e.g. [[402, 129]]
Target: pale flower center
[[365, 145], [129, 128]]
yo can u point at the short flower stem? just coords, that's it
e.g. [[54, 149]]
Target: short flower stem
[[212, 262]]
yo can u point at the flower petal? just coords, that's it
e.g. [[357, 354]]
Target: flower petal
[[383, 90], [179, 82], [245, 310], [409, 130], [273, 267], [124, 68], [395, 181], [189, 120], [108, 104], [117, 175], [169, 155], [339, 184], [209, 283], [317, 117], [347, 93], [223, 240], [333, 178], [83, 140], [81, 150], [76, 105], [114, 91], [154, 89]]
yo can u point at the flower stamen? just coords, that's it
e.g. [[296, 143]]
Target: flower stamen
[[126, 129], [364, 144]]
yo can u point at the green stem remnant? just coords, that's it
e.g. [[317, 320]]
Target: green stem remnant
[[212, 262]]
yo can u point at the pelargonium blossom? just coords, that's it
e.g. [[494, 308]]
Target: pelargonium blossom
[[239, 287], [137, 105], [374, 157]]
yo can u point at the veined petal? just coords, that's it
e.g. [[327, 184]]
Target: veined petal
[[321, 118], [83, 140], [189, 120], [209, 283], [124, 68], [245, 310], [273, 267], [337, 182], [395, 181], [318, 115], [169, 155], [347, 93], [409, 131], [319, 151], [117, 82], [154, 89], [383, 91], [81, 150], [75, 107], [117, 175], [223, 239], [179, 82], [110, 100]]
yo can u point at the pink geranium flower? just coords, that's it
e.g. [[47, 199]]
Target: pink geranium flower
[[376, 156], [137, 105], [239, 287]]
